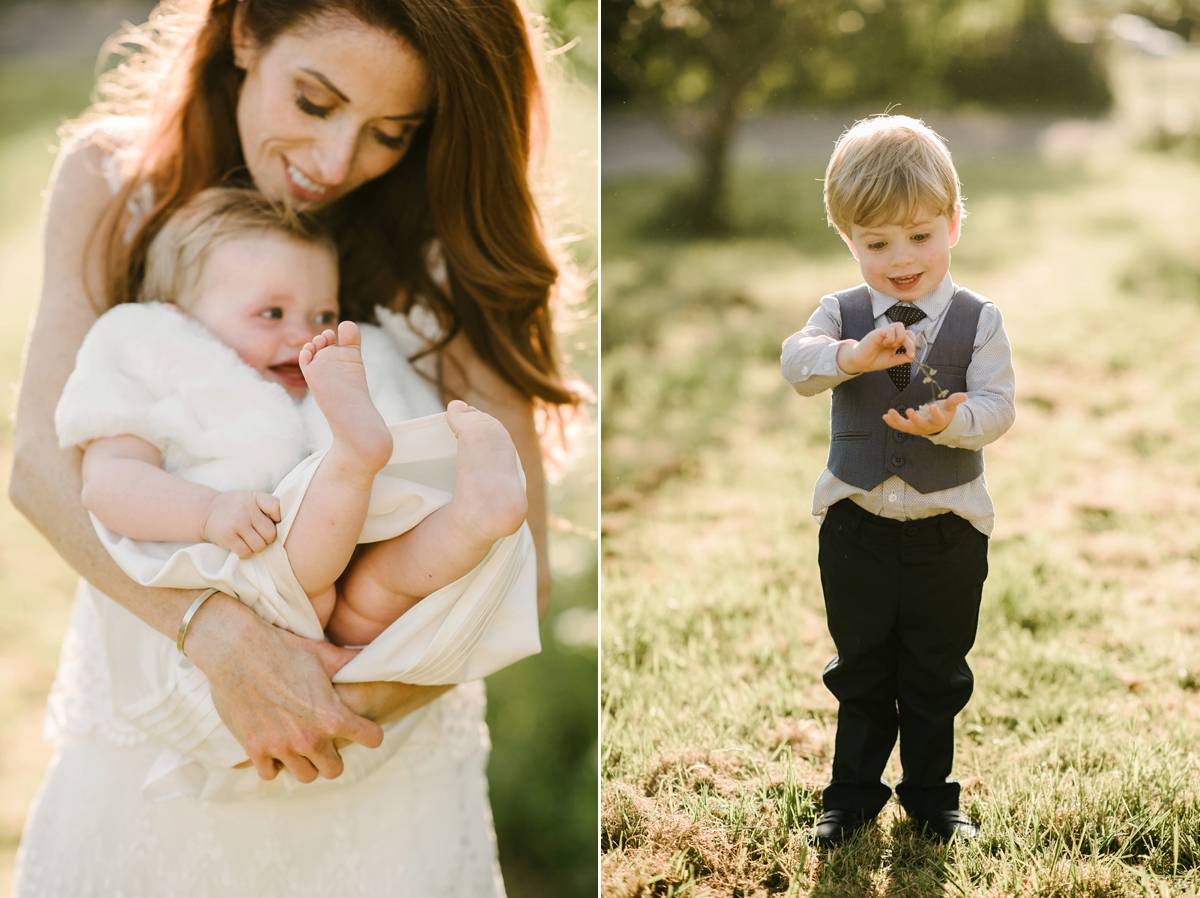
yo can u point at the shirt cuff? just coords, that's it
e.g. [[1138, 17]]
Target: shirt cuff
[[822, 363], [837, 369]]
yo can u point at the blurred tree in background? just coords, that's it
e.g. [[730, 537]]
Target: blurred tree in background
[[693, 61], [699, 64], [1031, 67]]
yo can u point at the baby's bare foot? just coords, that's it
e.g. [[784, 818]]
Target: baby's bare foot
[[333, 366], [489, 499]]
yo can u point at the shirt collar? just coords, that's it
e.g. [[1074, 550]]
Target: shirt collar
[[933, 303]]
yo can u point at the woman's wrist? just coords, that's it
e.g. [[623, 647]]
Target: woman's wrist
[[181, 636], [218, 622]]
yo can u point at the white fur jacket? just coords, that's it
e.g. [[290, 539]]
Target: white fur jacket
[[151, 371]]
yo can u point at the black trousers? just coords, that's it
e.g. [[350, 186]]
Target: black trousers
[[902, 603]]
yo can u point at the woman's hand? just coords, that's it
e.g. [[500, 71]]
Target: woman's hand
[[272, 690]]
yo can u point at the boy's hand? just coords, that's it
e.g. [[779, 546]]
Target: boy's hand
[[928, 419], [884, 347], [242, 522]]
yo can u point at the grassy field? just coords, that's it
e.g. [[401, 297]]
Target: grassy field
[[1077, 753], [541, 712]]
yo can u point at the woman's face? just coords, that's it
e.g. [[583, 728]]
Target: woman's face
[[327, 107]]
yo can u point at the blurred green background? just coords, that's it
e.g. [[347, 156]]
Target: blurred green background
[[704, 69], [1074, 127], [542, 711]]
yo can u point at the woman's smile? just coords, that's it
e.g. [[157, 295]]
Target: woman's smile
[[303, 187]]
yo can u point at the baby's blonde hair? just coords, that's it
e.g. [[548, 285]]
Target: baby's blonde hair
[[884, 169], [175, 258]]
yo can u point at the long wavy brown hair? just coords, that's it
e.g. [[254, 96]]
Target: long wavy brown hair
[[463, 181]]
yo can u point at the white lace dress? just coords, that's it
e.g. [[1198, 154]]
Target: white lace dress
[[418, 826]]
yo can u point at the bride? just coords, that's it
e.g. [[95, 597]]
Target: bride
[[406, 124]]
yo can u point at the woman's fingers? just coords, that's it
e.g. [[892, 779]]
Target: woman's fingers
[[303, 769], [271, 689], [266, 767], [358, 729], [333, 657]]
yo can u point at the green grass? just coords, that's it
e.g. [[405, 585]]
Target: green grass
[[1077, 752]]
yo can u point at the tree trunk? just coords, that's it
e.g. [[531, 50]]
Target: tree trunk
[[710, 214]]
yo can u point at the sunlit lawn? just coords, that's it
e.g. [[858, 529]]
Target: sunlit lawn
[[1077, 750], [542, 711]]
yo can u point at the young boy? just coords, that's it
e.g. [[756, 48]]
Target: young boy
[[903, 505]]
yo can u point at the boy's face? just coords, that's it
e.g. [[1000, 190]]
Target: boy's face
[[265, 297], [906, 261]]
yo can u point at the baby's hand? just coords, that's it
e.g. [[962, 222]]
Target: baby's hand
[[884, 347], [928, 419], [242, 522]]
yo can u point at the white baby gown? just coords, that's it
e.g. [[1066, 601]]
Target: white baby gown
[[141, 799]]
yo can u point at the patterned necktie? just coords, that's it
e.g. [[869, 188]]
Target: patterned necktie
[[909, 314]]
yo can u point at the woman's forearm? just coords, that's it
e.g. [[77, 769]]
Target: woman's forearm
[[45, 487], [385, 702]]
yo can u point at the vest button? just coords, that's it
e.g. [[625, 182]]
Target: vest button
[[898, 460], [910, 531], [899, 436], [902, 409]]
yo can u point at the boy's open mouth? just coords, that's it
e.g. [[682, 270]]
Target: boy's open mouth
[[908, 281], [289, 374]]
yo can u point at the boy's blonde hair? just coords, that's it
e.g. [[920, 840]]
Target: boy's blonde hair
[[884, 169], [175, 258]]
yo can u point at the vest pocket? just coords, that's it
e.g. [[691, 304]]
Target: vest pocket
[[851, 435], [951, 378]]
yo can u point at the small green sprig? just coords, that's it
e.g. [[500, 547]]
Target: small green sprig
[[935, 389]]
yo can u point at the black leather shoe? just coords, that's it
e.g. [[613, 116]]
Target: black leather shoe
[[946, 825], [835, 827]]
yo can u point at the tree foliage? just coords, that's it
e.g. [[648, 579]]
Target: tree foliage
[[693, 60], [701, 63]]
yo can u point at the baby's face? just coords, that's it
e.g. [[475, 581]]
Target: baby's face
[[266, 296], [906, 261]]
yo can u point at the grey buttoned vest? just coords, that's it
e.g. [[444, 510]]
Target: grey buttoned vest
[[863, 450]]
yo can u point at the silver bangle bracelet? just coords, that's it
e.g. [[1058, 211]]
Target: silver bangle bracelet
[[189, 614]]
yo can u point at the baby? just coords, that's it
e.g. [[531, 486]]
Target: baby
[[193, 404]]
